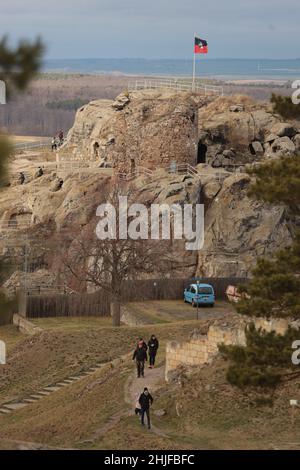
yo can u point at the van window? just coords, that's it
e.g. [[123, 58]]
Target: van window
[[193, 290], [205, 290]]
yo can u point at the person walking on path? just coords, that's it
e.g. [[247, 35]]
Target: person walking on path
[[143, 343], [140, 356], [153, 346], [145, 401]]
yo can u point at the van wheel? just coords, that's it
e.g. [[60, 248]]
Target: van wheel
[[212, 305]]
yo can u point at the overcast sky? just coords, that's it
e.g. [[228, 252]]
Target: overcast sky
[[156, 28]]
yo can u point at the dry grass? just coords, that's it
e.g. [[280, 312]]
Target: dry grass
[[55, 354], [223, 103], [10, 335], [169, 311], [213, 415]]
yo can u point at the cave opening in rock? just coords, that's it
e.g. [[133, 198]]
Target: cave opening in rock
[[202, 150], [252, 149]]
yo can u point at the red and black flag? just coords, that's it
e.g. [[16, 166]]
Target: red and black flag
[[200, 46]]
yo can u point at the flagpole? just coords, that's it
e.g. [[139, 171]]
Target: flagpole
[[194, 66]]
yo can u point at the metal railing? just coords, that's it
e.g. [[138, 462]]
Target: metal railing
[[175, 84], [139, 171], [172, 168], [33, 145], [66, 167]]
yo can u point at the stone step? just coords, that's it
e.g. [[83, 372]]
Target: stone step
[[30, 400], [43, 393], [62, 384], [68, 381], [52, 389], [15, 406], [37, 397], [5, 411], [78, 377]]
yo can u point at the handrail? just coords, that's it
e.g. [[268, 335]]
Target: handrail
[[32, 145], [175, 84]]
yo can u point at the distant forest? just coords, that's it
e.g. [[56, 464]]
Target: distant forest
[[51, 102]]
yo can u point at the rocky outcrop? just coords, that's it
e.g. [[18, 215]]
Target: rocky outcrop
[[239, 134], [151, 129], [148, 128], [238, 230]]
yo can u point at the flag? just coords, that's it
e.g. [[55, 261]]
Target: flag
[[200, 46]]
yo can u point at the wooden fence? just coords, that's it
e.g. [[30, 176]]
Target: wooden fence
[[67, 305], [98, 303]]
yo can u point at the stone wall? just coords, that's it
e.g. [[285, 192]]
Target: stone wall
[[25, 326], [202, 349]]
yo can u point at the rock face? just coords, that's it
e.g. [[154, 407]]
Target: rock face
[[238, 134], [153, 129], [238, 230], [144, 128]]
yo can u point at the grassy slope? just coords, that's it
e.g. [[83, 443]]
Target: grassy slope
[[213, 415], [54, 354]]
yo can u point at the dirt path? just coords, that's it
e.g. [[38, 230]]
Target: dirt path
[[154, 379], [133, 388]]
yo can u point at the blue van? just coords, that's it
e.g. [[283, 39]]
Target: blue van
[[204, 296]]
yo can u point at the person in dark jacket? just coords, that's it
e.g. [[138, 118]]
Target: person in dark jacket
[[140, 356], [153, 346], [145, 401], [141, 341]]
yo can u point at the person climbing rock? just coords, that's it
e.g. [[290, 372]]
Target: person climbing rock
[[145, 401], [140, 356], [21, 178], [153, 346], [61, 137]]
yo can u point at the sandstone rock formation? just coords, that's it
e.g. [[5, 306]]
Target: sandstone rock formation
[[152, 129], [147, 128]]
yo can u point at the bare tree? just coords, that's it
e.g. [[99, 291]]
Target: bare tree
[[108, 264]]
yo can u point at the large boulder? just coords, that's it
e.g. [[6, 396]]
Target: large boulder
[[283, 146], [296, 141], [283, 129], [221, 129]]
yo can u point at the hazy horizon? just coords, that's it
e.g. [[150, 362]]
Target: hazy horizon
[[79, 29]]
